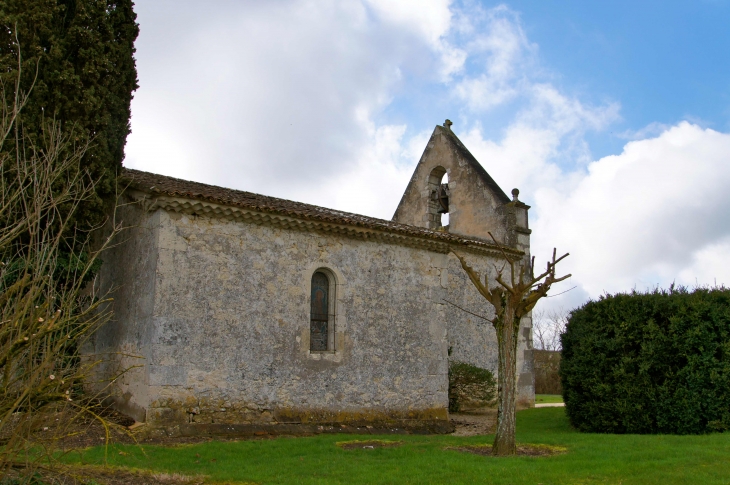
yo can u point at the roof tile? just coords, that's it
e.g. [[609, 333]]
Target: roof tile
[[162, 185]]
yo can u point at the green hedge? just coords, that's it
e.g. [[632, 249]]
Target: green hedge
[[654, 362], [470, 386]]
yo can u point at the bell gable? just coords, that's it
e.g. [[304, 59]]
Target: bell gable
[[449, 180]]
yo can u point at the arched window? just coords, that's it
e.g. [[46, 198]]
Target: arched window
[[438, 206], [319, 326]]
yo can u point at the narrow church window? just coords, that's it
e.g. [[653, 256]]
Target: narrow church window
[[319, 322]]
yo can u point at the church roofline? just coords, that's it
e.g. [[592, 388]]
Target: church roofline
[[474, 163], [184, 196]]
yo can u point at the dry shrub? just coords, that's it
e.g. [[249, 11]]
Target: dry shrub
[[48, 307]]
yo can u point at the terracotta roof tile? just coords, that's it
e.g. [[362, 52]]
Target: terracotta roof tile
[[162, 185]]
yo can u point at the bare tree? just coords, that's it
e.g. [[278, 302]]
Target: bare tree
[[547, 327], [511, 300]]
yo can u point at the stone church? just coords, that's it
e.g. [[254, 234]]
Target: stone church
[[235, 311]]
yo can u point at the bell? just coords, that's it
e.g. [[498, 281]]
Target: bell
[[443, 198]]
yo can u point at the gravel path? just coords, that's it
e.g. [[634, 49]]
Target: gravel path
[[484, 422]]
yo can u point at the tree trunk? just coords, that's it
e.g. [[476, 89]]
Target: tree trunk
[[507, 333], [511, 301]]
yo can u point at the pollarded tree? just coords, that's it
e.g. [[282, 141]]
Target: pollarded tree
[[511, 300]]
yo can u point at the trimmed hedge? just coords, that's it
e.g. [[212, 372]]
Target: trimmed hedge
[[470, 385], [654, 362]]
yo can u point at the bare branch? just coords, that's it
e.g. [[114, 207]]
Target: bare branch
[[500, 247], [505, 285], [532, 268], [499, 270], [509, 260], [556, 280], [561, 258], [44, 322], [558, 294], [547, 327], [474, 277], [467, 311], [550, 268]]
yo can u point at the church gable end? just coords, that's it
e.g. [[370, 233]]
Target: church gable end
[[449, 180]]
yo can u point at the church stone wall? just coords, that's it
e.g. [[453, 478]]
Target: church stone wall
[[128, 274], [228, 332], [233, 305], [218, 311], [231, 328]]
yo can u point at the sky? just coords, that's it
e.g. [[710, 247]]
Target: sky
[[612, 118]]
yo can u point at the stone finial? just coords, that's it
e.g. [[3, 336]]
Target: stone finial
[[515, 195], [447, 124]]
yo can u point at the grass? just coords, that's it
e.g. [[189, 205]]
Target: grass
[[591, 458], [548, 398]]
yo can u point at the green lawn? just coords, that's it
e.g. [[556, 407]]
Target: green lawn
[[591, 459], [548, 398]]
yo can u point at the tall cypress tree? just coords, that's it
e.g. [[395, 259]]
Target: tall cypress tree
[[79, 57]]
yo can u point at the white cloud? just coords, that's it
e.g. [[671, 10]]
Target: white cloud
[[651, 130], [430, 19], [652, 215], [500, 59], [274, 97], [543, 137], [710, 265], [292, 98], [380, 176]]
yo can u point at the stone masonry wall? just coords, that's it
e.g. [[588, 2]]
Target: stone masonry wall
[[128, 274], [474, 209], [219, 312]]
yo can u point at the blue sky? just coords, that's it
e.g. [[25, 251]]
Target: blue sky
[[612, 118], [638, 51], [664, 62]]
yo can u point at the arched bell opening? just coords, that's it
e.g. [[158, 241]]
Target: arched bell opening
[[438, 205]]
